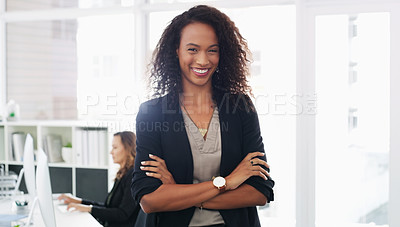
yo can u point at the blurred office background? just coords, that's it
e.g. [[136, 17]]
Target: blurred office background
[[325, 79]]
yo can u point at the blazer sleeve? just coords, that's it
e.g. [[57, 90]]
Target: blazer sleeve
[[252, 141], [125, 209], [148, 141], [90, 202]]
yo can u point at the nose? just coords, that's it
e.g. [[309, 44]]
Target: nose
[[202, 59]]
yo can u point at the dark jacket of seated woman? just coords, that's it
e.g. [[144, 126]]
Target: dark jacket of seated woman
[[119, 209]]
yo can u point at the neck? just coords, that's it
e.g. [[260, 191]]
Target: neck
[[197, 99], [122, 164], [197, 94]]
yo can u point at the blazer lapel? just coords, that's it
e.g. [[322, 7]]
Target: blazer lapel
[[179, 159]]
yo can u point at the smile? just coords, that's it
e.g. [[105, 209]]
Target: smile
[[200, 72]]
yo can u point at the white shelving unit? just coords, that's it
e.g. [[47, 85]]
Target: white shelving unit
[[68, 132]]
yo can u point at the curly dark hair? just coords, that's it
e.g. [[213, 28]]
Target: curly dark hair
[[230, 78], [128, 140]]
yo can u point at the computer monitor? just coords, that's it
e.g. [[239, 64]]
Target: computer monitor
[[28, 168], [43, 190]]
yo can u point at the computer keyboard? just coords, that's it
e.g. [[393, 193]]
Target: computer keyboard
[[62, 208]]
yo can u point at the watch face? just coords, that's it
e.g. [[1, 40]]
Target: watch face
[[219, 182]]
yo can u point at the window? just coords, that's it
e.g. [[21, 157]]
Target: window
[[72, 69], [42, 69], [273, 80], [106, 87], [352, 124]]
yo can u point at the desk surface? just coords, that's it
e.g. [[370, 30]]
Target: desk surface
[[66, 219]]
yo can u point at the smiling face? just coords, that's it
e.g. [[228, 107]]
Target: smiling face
[[198, 55], [118, 151]]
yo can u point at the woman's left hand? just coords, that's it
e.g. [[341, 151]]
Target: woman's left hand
[[79, 207], [157, 169], [68, 198]]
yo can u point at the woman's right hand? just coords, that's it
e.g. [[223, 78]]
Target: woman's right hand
[[248, 167], [157, 169], [69, 199]]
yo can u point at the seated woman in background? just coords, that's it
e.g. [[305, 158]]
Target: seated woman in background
[[119, 208]]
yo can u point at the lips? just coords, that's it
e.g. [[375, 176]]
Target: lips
[[200, 71]]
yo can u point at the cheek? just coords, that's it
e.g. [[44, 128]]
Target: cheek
[[185, 59], [181, 64], [215, 59], [118, 154], [184, 66]]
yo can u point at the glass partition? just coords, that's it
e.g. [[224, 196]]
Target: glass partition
[[352, 122]]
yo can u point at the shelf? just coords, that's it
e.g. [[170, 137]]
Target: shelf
[[62, 132]]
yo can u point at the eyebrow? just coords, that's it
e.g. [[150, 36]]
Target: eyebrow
[[192, 44]]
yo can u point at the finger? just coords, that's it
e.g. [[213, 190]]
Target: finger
[[254, 154], [150, 163], [155, 175], [263, 170], [260, 169], [262, 175], [156, 158], [63, 197], [151, 169], [259, 162]]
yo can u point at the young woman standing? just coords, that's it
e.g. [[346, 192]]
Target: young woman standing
[[200, 156]]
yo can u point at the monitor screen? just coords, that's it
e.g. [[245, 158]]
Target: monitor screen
[[43, 187], [29, 167]]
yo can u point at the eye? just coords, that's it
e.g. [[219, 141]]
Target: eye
[[192, 50]]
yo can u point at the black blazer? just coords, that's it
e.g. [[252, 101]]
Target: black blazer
[[160, 130], [121, 209]]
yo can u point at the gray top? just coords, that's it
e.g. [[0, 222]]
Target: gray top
[[206, 163]]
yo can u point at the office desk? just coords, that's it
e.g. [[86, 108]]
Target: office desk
[[63, 219]]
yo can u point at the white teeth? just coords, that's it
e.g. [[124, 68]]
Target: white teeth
[[200, 70]]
